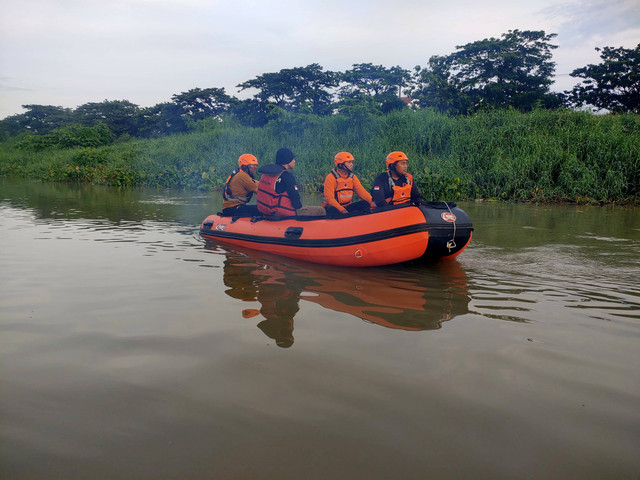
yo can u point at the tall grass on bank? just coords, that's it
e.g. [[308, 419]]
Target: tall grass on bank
[[544, 155]]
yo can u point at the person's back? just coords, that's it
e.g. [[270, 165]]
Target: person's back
[[278, 191]]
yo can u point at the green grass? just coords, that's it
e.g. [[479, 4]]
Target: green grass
[[544, 155]]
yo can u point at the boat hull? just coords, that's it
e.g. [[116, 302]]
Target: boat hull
[[379, 238]]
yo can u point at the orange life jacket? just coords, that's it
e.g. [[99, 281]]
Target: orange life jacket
[[226, 193], [400, 194], [269, 201], [344, 188]]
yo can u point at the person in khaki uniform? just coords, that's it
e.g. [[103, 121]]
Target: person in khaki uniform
[[240, 187]]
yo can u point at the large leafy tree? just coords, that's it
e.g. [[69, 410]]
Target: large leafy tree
[[377, 82], [162, 119], [300, 89], [120, 116], [40, 119], [199, 104], [436, 87], [10, 126], [372, 80], [613, 84], [515, 70], [251, 112]]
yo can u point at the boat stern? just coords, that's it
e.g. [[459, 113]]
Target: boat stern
[[450, 230]]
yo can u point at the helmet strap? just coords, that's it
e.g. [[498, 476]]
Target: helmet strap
[[246, 169], [342, 166], [392, 170]]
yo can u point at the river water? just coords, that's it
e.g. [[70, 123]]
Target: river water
[[131, 350]]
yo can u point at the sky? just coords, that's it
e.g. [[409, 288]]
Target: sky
[[71, 52]]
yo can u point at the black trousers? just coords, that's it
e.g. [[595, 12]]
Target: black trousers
[[241, 210], [360, 206]]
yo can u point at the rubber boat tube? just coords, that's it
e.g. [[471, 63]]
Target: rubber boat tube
[[427, 232]]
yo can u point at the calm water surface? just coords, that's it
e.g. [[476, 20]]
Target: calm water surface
[[129, 349]]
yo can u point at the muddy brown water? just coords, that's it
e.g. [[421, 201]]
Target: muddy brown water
[[131, 350]]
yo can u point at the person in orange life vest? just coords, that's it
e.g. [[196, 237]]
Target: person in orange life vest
[[395, 186], [340, 185], [240, 187], [278, 191]]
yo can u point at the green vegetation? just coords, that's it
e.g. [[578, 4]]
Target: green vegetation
[[543, 155], [613, 84], [512, 71], [510, 138]]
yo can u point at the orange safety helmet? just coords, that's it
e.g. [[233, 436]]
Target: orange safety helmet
[[247, 159], [342, 157], [394, 157]]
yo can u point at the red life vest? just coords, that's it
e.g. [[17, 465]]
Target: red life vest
[[400, 194], [344, 188], [269, 201]]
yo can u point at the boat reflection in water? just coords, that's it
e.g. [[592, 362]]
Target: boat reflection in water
[[405, 297]]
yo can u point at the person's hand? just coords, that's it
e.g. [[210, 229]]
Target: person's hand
[[372, 204], [344, 211]]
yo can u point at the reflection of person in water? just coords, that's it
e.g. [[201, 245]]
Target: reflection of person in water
[[274, 289], [279, 306]]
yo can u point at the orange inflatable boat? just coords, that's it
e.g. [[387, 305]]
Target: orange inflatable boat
[[429, 232]]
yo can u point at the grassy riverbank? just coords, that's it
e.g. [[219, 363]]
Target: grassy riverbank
[[542, 156]]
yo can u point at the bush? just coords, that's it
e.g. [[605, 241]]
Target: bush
[[69, 137]]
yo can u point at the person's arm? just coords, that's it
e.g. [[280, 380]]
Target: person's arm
[[362, 193], [416, 196], [379, 191], [291, 187], [330, 193], [248, 183]]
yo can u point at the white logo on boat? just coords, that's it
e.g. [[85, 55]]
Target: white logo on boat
[[221, 227], [448, 216]]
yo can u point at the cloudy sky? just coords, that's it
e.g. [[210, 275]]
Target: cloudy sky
[[71, 52]]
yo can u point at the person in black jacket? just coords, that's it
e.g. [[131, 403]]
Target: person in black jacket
[[278, 190], [395, 186]]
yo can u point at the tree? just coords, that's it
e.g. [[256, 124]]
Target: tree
[[382, 84], [161, 119], [42, 119], [435, 89], [199, 104], [372, 80], [613, 84], [11, 126], [251, 112], [120, 116], [300, 89], [515, 70]]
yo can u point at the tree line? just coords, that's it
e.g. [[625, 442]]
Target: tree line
[[513, 71]]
